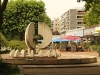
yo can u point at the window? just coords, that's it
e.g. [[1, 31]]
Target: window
[[79, 16], [80, 12], [78, 27], [79, 22]]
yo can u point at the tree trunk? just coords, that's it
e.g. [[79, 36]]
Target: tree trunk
[[2, 9]]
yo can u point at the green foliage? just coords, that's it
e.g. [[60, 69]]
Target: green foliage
[[92, 17], [15, 44], [3, 40], [19, 14], [47, 21], [86, 45], [4, 51], [98, 49], [93, 47], [7, 69], [90, 4]]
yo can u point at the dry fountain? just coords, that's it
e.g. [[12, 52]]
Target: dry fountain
[[44, 57]]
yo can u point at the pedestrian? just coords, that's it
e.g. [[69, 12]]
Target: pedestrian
[[68, 47]]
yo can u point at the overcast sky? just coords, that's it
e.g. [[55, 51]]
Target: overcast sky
[[55, 8]]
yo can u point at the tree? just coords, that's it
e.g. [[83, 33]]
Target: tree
[[92, 17], [2, 9], [19, 14], [3, 40]]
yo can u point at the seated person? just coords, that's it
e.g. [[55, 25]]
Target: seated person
[[68, 47], [79, 47]]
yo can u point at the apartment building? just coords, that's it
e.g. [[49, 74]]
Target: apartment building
[[55, 26], [72, 19], [52, 23]]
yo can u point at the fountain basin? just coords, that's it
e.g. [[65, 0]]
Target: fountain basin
[[63, 60]]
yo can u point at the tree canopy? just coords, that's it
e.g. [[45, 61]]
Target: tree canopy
[[19, 14], [92, 17]]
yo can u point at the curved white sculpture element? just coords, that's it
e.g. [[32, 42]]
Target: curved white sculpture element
[[58, 53], [37, 49], [17, 53], [53, 53], [11, 54], [23, 53], [30, 31], [48, 53], [43, 30], [40, 54], [32, 53]]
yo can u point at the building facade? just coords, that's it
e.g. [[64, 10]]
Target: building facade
[[55, 26], [72, 19]]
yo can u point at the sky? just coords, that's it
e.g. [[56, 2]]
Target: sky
[[56, 8]]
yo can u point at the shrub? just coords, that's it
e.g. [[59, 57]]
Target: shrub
[[8, 69], [15, 44], [3, 40], [86, 45], [4, 51], [93, 47]]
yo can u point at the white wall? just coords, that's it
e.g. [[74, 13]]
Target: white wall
[[75, 32], [89, 31], [56, 36], [81, 32]]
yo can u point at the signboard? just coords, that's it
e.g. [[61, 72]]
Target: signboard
[[97, 29]]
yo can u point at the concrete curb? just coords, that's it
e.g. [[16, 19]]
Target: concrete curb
[[97, 64]]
